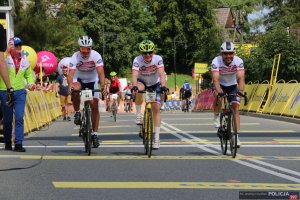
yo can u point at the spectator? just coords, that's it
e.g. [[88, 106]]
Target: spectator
[[47, 85], [62, 90], [18, 70]]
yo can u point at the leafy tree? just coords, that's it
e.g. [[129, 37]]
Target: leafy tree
[[274, 41]]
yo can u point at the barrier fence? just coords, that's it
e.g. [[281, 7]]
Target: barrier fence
[[281, 99], [41, 108]]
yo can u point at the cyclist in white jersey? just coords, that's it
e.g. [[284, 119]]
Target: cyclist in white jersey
[[85, 70], [148, 72], [228, 76]]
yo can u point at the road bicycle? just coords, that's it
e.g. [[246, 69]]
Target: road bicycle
[[147, 128], [85, 129], [227, 131], [114, 107], [127, 107]]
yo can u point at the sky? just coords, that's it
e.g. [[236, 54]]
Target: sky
[[258, 15]]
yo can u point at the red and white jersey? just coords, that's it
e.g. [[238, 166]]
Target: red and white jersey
[[86, 68], [227, 73], [148, 72]]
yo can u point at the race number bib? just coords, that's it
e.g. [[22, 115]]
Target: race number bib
[[150, 97], [86, 95]]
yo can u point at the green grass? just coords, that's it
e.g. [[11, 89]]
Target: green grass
[[179, 81]]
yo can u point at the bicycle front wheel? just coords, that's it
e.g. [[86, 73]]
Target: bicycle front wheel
[[114, 110], [88, 131], [233, 134], [150, 134], [222, 132]]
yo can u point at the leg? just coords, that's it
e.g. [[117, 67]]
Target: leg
[[19, 105], [76, 103], [138, 103], [7, 118]]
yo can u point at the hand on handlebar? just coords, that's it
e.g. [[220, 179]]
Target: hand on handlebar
[[221, 94]]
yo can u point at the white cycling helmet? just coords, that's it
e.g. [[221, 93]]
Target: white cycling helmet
[[227, 47], [85, 41]]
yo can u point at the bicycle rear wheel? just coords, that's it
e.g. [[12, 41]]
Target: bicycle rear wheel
[[187, 105], [222, 132], [233, 134]]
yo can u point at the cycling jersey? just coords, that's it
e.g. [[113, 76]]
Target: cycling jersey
[[128, 90], [114, 86], [148, 72], [186, 86], [227, 73], [86, 68]]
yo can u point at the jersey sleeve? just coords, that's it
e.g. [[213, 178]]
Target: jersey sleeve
[[239, 64], [98, 60], [160, 62], [135, 65], [72, 64], [215, 65]]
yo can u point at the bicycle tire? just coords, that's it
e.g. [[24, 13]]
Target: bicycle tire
[[88, 138], [233, 134], [114, 110], [222, 132], [187, 104], [145, 131], [150, 133]]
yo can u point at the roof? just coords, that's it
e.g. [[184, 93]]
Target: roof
[[225, 17]]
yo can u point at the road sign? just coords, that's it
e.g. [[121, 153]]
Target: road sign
[[200, 68]]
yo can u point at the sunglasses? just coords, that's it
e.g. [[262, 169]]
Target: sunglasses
[[228, 53], [85, 49], [145, 53]]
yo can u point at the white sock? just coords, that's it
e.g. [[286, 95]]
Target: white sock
[[138, 109], [157, 131], [94, 133]]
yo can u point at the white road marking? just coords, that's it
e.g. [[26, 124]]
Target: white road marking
[[205, 148]]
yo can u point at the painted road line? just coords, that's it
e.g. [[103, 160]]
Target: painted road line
[[248, 164], [130, 157], [210, 124], [176, 185], [287, 140]]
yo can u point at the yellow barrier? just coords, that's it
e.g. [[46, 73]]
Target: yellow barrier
[[258, 97], [272, 99], [250, 90], [284, 98], [293, 106], [41, 108]]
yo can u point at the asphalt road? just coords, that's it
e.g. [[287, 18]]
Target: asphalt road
[[188, 165]]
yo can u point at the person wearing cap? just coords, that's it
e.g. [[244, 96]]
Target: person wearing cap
[[18, 70], [62, 90], [3, 67]]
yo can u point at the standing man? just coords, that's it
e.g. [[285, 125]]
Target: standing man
[[18, 70], [62, 90], [148, 71], [89, 68], [228, 77], [3, 67], [185, 93]]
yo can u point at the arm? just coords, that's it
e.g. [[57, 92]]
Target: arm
[[101, 75], [215, 78], [241, 80], [134, 77], [162, 75], [3, 70], [70, 78]]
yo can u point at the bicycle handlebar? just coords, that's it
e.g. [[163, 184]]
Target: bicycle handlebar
[[235, 94]]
